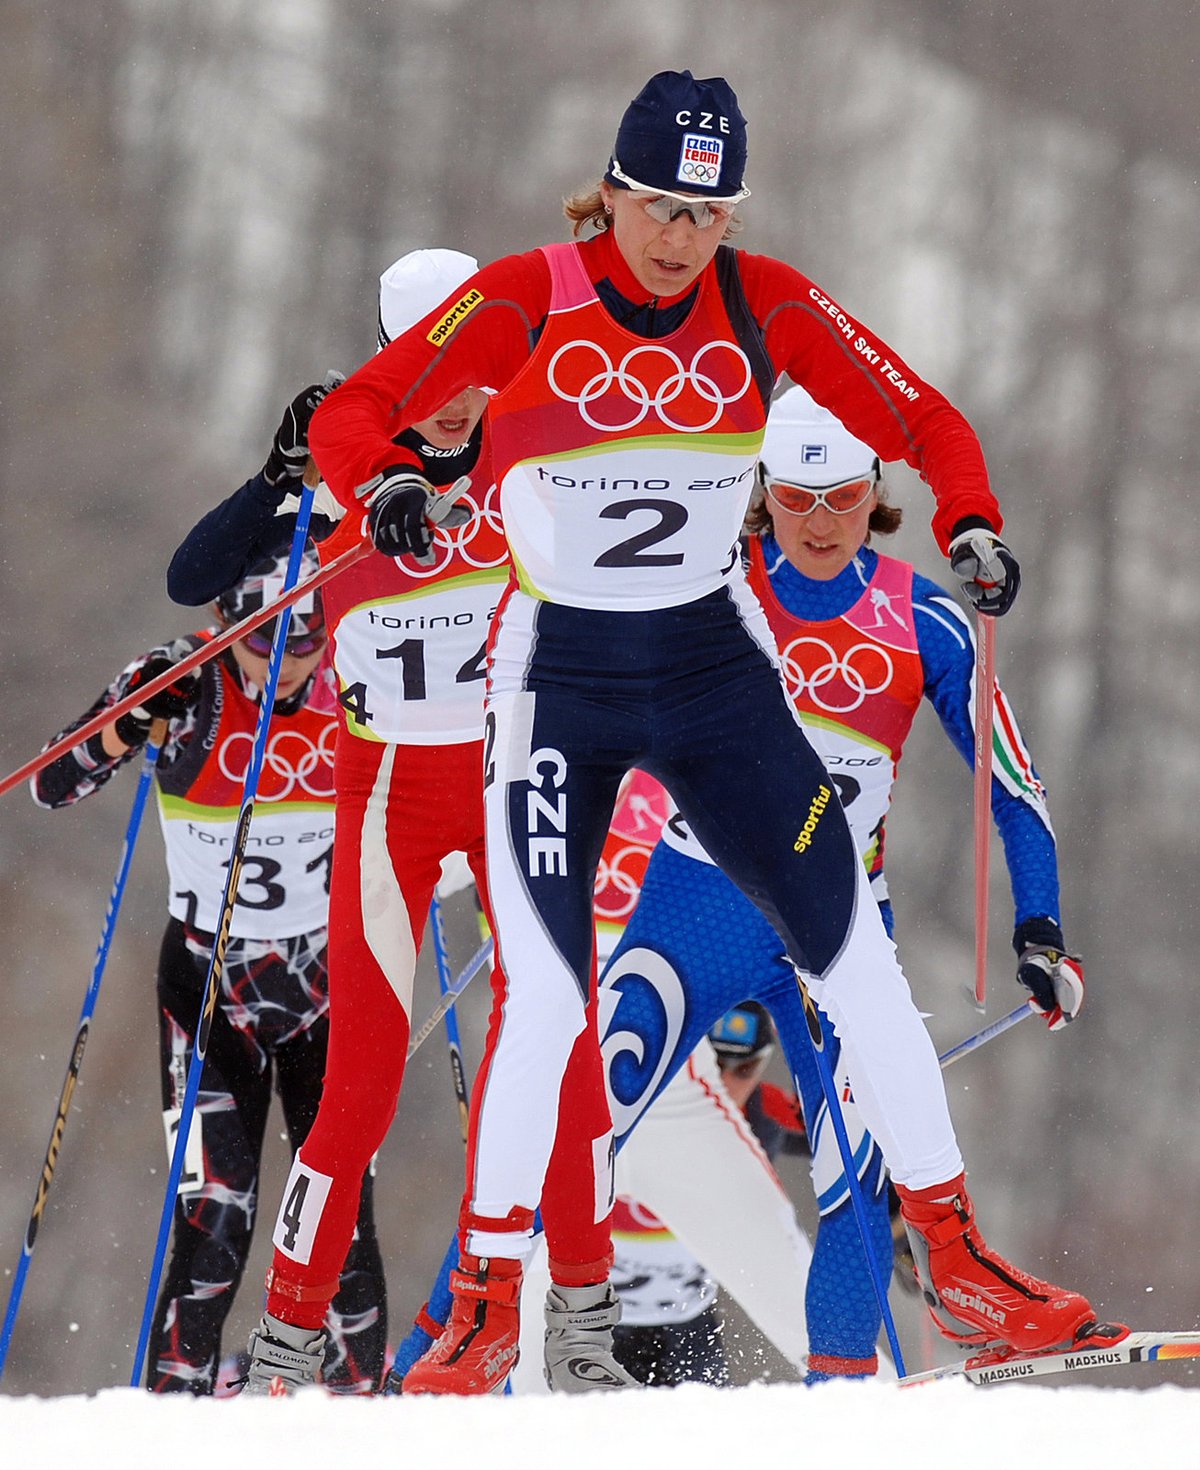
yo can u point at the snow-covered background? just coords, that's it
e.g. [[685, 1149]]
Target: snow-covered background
[[198, 199]]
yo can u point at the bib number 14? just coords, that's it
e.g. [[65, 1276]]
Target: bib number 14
[[414, 681]]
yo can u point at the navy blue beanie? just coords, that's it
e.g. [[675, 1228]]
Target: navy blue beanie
[[681, 135]]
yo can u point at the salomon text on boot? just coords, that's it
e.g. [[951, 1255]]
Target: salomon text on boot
[[283, 1358], [579, 1339]]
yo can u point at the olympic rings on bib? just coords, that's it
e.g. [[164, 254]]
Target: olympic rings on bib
[[617, 888], [853, 668], [290, 760], [703, 385]]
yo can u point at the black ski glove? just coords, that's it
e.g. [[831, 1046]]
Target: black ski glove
[[284, 468], [1053, 977], [404, 509], [986, 568], [133, 727]]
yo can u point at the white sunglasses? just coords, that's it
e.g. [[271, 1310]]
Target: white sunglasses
[[802, 500], [663, 205]]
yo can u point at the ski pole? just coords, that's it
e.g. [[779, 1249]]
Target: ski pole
[[989, 1033], [439, 508], [985, 675], [461, 1094], [216, 963], [193, 660], [158, 730], [469, 971], [816, 1039]]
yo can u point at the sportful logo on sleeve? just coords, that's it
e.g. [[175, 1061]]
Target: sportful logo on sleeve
[[461, 308]]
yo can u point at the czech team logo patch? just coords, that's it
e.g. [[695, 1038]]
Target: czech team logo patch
[[700, 160]]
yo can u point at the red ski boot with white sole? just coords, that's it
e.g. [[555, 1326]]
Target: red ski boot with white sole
[[979, 1299], [478, 1346]]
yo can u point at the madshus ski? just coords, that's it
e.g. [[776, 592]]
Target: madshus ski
[[1009, 1367]]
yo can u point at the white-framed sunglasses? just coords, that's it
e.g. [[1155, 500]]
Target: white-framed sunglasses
[[664, 205], [802, 500]]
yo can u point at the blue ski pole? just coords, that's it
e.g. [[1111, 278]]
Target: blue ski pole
[[989, 1033], [472, 968], [153, 745], [216, 962], [445, 984]]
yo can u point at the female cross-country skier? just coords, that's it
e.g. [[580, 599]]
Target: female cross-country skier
[[629, 378]]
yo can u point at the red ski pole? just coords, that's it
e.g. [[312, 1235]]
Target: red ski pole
[[185, 665]]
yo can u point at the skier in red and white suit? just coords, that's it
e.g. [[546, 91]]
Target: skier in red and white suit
[[409, 645], [408, 650], [630, 378]]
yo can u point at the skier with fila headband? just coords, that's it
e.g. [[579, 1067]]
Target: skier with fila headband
[[408, 624], [271, 1019], [629, 636], [862, 640]]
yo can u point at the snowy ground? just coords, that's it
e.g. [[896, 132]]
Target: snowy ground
[[846, 1425]]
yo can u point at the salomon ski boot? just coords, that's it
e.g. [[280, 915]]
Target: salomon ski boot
[[283, 1358], [579, 1339]]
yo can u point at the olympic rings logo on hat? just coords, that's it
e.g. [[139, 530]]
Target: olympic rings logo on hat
[[290, 757], [449, 542], [703, 385], [852, 668]]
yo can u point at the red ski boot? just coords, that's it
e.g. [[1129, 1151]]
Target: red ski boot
[[979, 1299], [478, 1346]]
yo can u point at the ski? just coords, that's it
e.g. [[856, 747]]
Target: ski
[[1138, 1347]]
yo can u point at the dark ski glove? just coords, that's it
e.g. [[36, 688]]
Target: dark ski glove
[[404, 509], [1053, 977], [986, 568], [170, 703], [284, 468]]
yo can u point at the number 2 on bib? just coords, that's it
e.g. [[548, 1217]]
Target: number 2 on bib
[[633, 551]]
